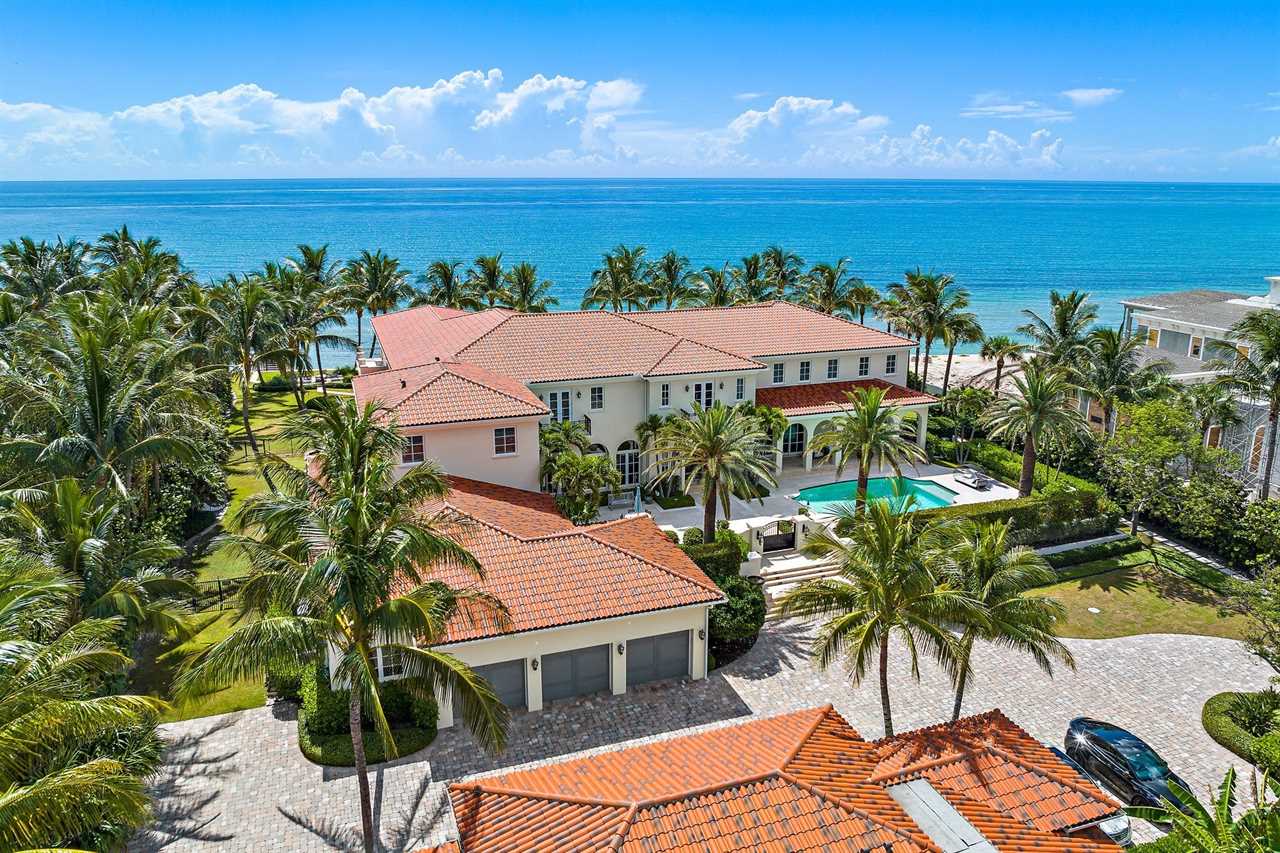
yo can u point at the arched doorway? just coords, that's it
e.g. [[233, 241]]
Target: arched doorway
[[794, 440], [779, 536], [628, 461]]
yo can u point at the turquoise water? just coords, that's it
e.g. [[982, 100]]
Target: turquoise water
[[928, 494], [1008, 242]]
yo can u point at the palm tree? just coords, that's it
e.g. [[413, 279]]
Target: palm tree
[[1258, 374], [36, 273], [1213, 403], [77, 779], [717, 448], [1062, 336], [749, 284], [1115, 373], [1217, 829], [713, 288], [558, 437], [1003, 350], [829, 288], [1042, 408], [486, 278], [666, 280], [375, 283], [72, 531], [870, 433], [580, 482], [930, 300], [524, 292], [322, 301], [341, 557], [961, 327], [864, 297], [446, 288], [980, 561], [249, 333], [619, 283], [884, 587], [782, 270]]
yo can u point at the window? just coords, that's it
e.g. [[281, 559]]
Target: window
[[793, 440], [389, 664], [504, 441], [891, 363], [778, 373], [628, 461], [664, 396], [597, 397], [703, 394], [561, 408], [740, 389], [864, 365], [1197, 348], [804, 371], [833, 368], [414, 449], [1153, 337]]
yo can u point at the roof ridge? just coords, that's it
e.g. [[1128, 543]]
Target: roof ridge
[[620, 837], [446, 369], [487, 332], [543, 795], [683, 337], [992, 712], [712, 588], [1052, 774], [840, 802], [691, 308], [823, 712], [848, 321]]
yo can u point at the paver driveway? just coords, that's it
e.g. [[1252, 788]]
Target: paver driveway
[[240, 781]]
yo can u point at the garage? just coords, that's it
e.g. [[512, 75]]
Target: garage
[[507, 679], [658, 657], [575, 673]]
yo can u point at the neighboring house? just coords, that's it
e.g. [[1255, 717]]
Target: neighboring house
[[800, 781], [469, 387], [1191, 329], [598, 608]]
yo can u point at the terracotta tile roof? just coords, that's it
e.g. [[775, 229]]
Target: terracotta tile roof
[[447, 392], [829, 397], [550, 573], [803, 781], [422, 335], [688, 356], [771, 328]]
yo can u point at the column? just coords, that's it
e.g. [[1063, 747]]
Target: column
[[444, 705], [777, 458], [618, 674], [922, 426], [698, 648], [808, 460], [533, 684]]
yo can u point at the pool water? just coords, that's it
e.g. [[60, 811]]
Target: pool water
[[928, 494]]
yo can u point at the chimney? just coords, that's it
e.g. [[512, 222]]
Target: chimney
[[1273, 289]]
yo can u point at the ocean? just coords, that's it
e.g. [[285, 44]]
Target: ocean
[[1008, 242]]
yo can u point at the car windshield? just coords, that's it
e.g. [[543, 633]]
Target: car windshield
[[1146, 765]]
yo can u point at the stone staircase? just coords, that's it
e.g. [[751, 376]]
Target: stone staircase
[[787, 569]]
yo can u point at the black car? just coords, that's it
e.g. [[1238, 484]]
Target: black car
[[1122, 761]]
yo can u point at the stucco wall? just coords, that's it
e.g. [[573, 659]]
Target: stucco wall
[[534, 644], [624, 407], [467, 451], [848, 367]]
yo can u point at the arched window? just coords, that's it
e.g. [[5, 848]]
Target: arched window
[[628, 461], [794, 439], [1255, 452], [597, 450]]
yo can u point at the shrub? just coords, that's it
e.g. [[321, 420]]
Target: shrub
[[1266, 754], [1207, 511], [1092, 553], [1258, 536], [274, 383], [1168, 844], [1255, 712], [734, 625], [1057, 517], [942, 426], [719, 559], [285, 681], [673, 501], [1217, 722], [337, 751], [1004, 464], [672, 535], [693, 536], [327, 710]]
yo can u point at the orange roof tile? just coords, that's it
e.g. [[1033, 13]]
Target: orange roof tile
[[447, 392], [829, 397], [422, 335], [686, 356], [803, 781], [771, 328], [550, 573]]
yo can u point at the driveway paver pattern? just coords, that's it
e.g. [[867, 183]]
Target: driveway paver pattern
[[239, 780]]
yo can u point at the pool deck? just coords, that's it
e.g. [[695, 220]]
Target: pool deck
[[781, 504]]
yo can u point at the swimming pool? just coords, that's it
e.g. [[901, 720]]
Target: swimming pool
[[928, 494]]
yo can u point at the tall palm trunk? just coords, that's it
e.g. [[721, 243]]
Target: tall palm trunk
[[1272, 417], [946, 374], [1027, 480], [999, 373], [320, 367], [924, 373], [709, 493], [966, 649], [884, 686], [860, 497], [246, 400], [360, 329], [362, 770]]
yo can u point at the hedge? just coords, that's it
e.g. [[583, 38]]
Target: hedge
[[1219, 725], [1006, 465], [337, 750], [673, 501], [324, 720], [1039, 519], [719, 559], [1093, 553], [1266, 754]]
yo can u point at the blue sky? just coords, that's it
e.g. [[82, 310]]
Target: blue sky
[[1160, 91]]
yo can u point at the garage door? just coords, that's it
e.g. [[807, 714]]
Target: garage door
[[657, 657], [507, 679], [575, 673]]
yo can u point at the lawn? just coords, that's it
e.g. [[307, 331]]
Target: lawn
[[157, 666], [1134, 595]]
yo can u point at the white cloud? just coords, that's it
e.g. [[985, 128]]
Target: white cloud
[[750, 96], [996, 105], [1269, 150], [1091, 97], [474, 123]]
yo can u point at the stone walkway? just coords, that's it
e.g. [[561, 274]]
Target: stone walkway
[[240, 781]]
